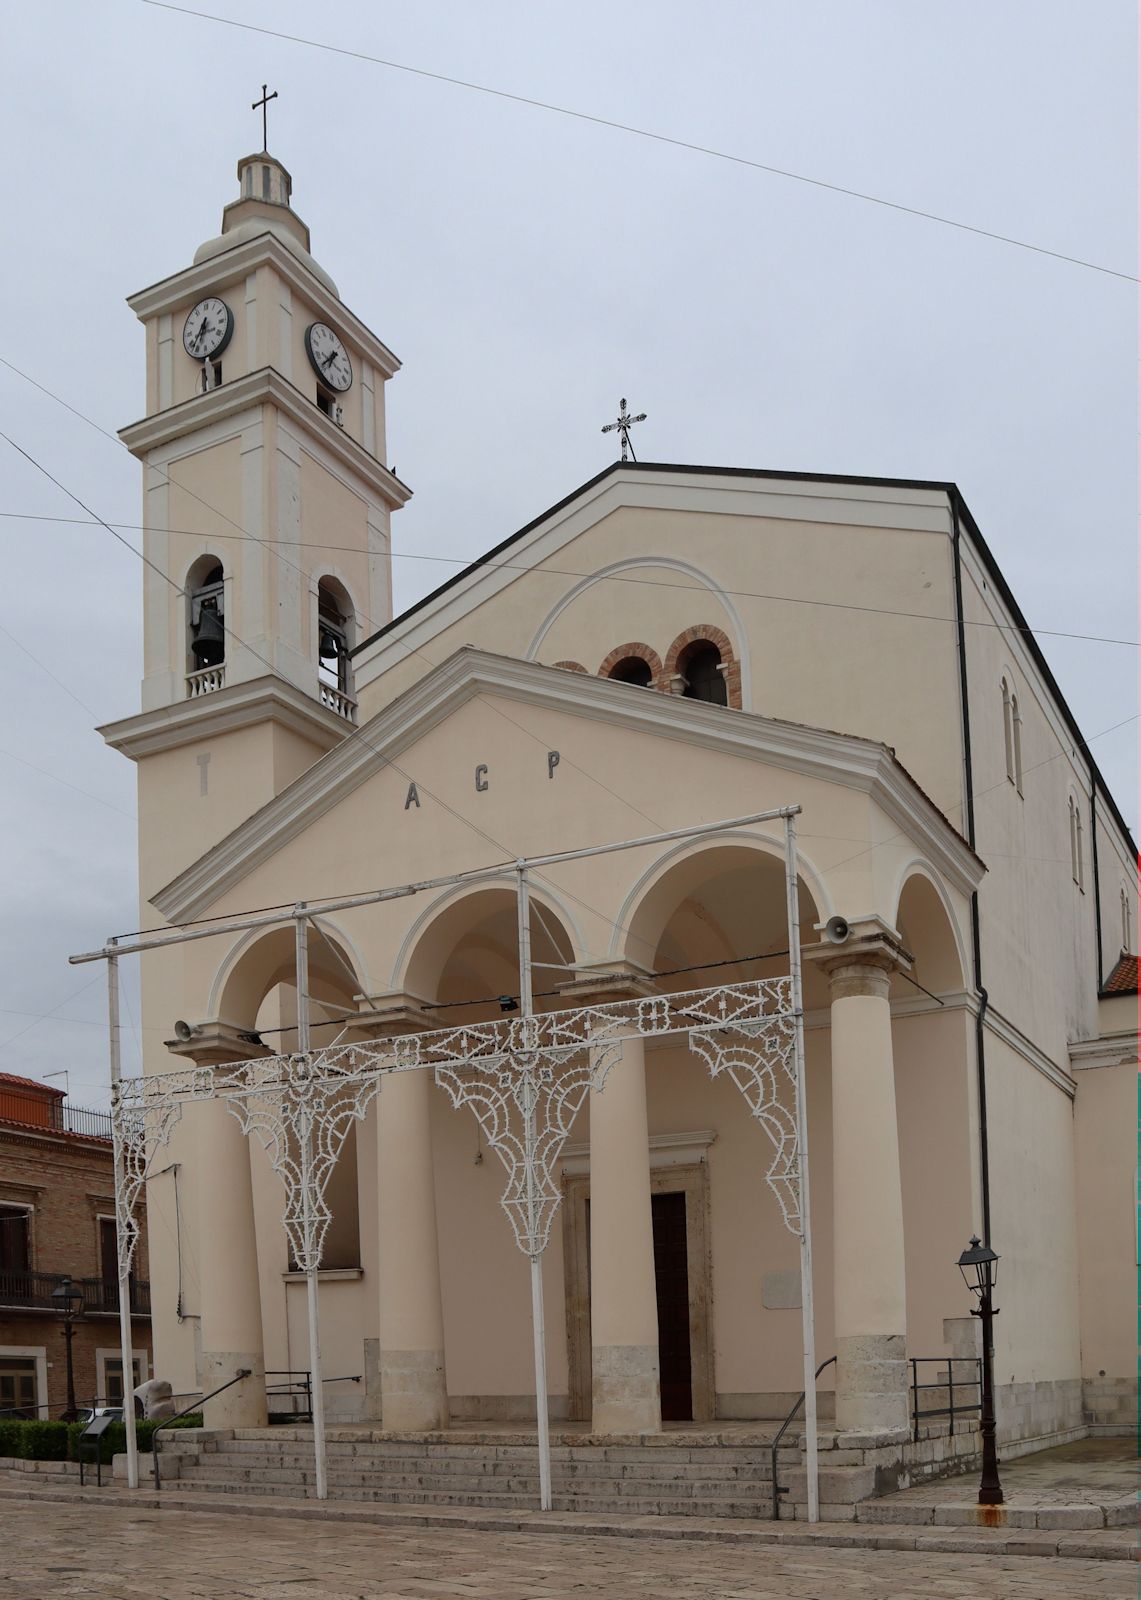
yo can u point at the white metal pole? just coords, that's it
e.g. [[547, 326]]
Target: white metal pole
[[538, 1319], [316, 1386], [122, 1255], [794, 966]]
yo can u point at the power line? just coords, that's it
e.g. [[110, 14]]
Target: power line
[[609, 577], [646, 133], [67, 784]]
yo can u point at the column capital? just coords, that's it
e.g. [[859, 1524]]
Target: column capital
[[384, 1016], [212, 1044], [622, 981], [862, 965]]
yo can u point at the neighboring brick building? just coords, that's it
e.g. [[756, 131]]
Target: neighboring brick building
[[57, 1216]]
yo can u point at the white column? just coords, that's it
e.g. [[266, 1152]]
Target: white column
[[623, 1295], [868, 1271], [413, 1385], [228, 1267]]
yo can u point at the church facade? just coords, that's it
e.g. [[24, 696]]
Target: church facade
[[667, 647]]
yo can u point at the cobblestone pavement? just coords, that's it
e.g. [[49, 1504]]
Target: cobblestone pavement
[[52, 1552]]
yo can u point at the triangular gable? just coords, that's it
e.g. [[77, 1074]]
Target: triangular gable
[[856, 763]]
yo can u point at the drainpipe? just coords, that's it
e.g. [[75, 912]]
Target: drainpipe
[[976, 941], [1096, 880]]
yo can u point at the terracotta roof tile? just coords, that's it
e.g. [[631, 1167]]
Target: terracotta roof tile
[[1123, 978], [10, 1080]]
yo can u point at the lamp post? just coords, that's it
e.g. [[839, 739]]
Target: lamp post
[[979, 1266], [68, 1301]]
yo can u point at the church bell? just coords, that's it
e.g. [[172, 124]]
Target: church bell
[[209, 643]]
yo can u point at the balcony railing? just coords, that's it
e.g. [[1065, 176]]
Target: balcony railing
[[205, 681], [32, 1291], [336, 700], [52, 1113]]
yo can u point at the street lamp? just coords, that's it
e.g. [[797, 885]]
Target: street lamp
[[979, 1266], [68, 1301]]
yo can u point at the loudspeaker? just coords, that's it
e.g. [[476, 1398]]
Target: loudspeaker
[[836, 930], [183, 1031]]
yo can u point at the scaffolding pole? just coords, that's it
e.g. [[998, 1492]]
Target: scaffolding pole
[[123, 1243], [316, 1385]]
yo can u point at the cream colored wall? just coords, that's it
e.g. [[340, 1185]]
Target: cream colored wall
[[807, 663], [1034, 1221], [1105, 1137], [938, 1145]]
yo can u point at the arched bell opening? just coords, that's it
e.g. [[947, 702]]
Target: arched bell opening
[[206, 633], [335, 639]]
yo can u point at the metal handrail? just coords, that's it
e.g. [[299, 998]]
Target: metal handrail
[[951, 1410], [243, 1372], [305, 1387], [779, 1489]]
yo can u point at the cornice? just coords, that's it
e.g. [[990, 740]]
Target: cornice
[[1110, 1050], [266, 386], [225, 711], [232, 265], [855, 763], [1004, 1029]]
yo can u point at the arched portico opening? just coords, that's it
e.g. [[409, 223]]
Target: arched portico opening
[[730, 1338], [934, 1051]]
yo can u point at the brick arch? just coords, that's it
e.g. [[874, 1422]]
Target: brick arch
[[571, 666], [706, 633], [644, 652]]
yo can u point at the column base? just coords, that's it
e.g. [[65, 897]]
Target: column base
[[626, 1396], [871, 1383], [413, 1391], [243, 1405]]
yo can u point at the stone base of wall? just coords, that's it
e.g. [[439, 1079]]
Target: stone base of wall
[[505, 1407], [1033, 1410], [1110, 1403], [770, 1405]]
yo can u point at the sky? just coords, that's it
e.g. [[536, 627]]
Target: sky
[[529, 269]]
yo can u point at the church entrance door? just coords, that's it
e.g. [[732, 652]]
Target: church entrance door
[[679, 1209], [671, 1272]]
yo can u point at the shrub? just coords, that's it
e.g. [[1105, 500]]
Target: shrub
[[59, 1441]]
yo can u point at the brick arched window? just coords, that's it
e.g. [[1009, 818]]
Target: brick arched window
[[571, 666], [633, 663], [702, 665]]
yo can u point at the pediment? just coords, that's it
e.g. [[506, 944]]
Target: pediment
[[391, 736]]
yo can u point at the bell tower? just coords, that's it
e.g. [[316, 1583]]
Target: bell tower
[[266, 509]]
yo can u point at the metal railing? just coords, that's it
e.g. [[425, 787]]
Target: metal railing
[[32, 1291], [52, 1114], [779, 1488], [167, 1422], [302, 1389], [947, 1382]]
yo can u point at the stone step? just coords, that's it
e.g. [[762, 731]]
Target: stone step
[[757, 1471], [295, 1480], [754, 1439], [755, 1506], [399, 1449]]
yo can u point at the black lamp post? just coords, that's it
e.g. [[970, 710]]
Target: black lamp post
[[68, 1301], [979, 1266]]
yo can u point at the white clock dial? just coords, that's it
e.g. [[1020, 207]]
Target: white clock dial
[[208, 329], [329, 357]]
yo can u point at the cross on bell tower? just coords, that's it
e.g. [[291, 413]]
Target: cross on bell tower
[[264, 104]]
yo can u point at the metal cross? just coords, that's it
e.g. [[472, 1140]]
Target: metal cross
[[264, 104], [623, 425]]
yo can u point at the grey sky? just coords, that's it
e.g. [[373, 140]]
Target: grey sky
[[529, 270]]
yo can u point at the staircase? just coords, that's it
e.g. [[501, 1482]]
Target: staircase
[[666, 1474]]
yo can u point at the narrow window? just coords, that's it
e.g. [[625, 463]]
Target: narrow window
[[1016, 724], [1080, 874], [207, 610], [1008, 730], [15, 1246], [113, 1379], [1126, 919], [1075, 843], [333, 639], [700, 668], [633, 670]]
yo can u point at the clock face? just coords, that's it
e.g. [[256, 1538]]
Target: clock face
[[329, 357], [208, 329]]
